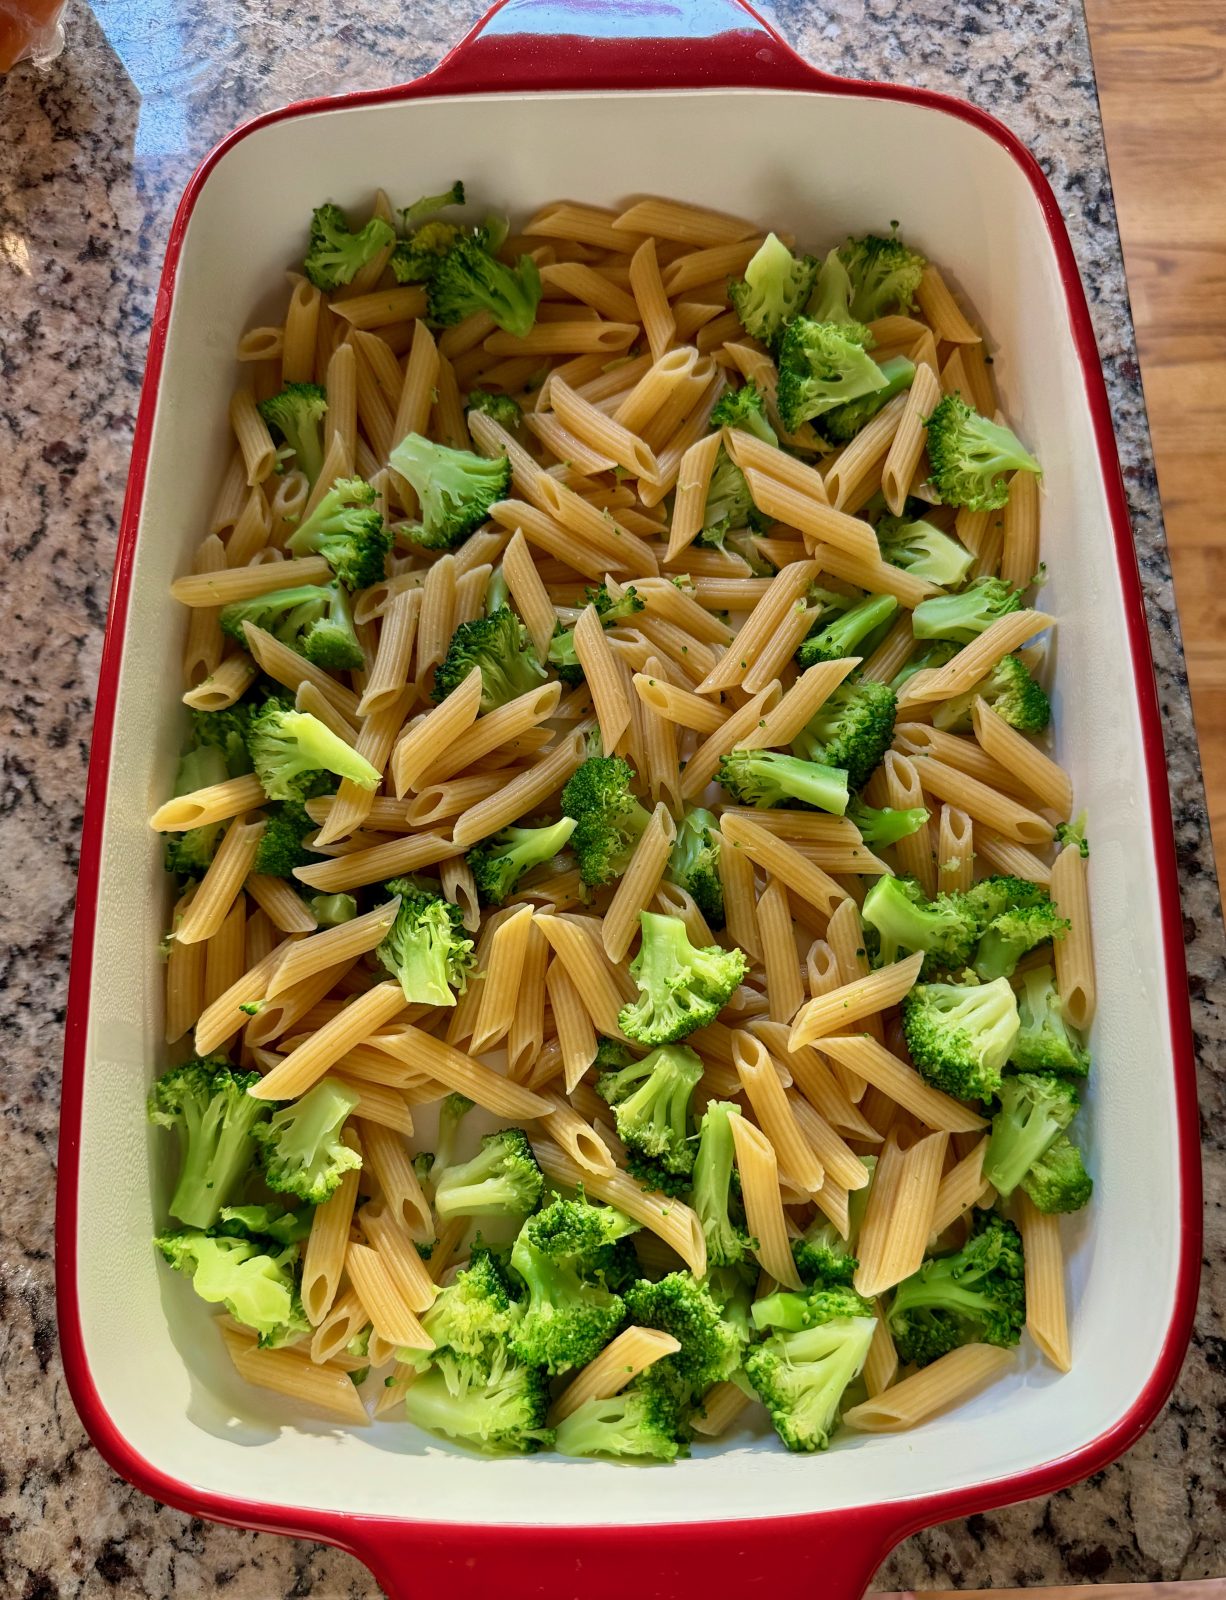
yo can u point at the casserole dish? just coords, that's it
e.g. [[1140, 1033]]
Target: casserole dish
[[648, 113]]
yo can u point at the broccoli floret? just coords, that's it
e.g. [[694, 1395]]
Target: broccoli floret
[[335, 255], [841, 423], [648, 1418], [302, 1151], [415, 259], [413, 216], [802, 1377], [501, 407], [297, 413], [744, 408], [923, 551], [786, 1312], [729, 504], [935, 653], [823, 1258], [831, 300], [775, 287], [330, 910], [1058, 1180], [883, 826], [469, 279], [1045, 1043], [225, 731], [271, 1221], [962, 617], [256, 1287], [499, 645], [693, 863], [207, 1103], [426, 948], [281, 849], [608, 819], [348, 532], [290, 747], [570, 1314], [1034, 1108], [988, 898], [884, 275], [563, 658], [451, 1113], [1011, 692], [471, 1322], [905, 922], [713, 1200], [502, 1180], [651, 1102], [969, 456], [312, 619], [975, 1296], [766, 778], [455, 489], [1010, 935], [1074, 833], [847, 632], [497, 864], [506, 1415], [680, 988], [820, 367], [710, 1346], [852, 730], [960, 1036]]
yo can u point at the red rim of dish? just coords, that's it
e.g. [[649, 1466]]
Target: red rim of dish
[[548, 45]]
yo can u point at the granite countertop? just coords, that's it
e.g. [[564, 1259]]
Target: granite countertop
[[94, 152]]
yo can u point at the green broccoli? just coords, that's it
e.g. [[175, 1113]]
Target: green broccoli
[[975, 1296], [451, 1113], [729, 504], [426, 948], [711, 1346], [330, 910], [469, 279], [562, 656], [935, 653], [1034, 1108], [499, 645], [281, 846], [1011, 692], [225, 731], [969, 456], [348, 532], [820, 367], [713, 1200], [498, 863], [502, 1180], [647, 1418], [256, 1287], [884, 273], [962, 617], [767, 778], [680, 988], [608, 819], [570, 1314], [297, 413], [313, 620], [1073, 832], [990, 897], [188, 854], [271, 1221], [884, 826], [845, 635], [651, 1102], [1008, 937], [413, 216], [841, 423], [802, 1377], [852, 730], [1045, 1043], [206, 1101], [302, 1151], [831, 300], [415, 259], [784, 1311], [693, 863], [290, 747], [471, 1322], [335, 255], [455, 489], [923, 551], [960, 1036], [501, 407], [775, 287], [823, 1258], [505, 1416], [744, 408], [1058, 1181], [904, 922]]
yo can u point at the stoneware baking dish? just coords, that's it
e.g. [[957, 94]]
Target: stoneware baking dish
[[594, 100]]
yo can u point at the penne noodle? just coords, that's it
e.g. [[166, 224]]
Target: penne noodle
[[1046, 1317], [874, 1063], [525, 792], [292, 1373], [638, 884], [948, 1381], [285, 910], [305, 1065], [222, 882], [459, 1072], [427, 739], [1039, 773], [245, 583], [773, 1111], [387, 1156], [831, 1012], [327, 949], [757, 1164], [775, 855], [898, 1218], [504, 972], [608, 1373], [603, 677], [982, 804], [1074, 956], [784, 988], [956, 846], [654, 311]]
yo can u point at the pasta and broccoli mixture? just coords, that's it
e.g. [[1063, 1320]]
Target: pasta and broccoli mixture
[[631, 960]]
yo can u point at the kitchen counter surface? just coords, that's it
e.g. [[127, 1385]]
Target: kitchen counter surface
[[94, 153]]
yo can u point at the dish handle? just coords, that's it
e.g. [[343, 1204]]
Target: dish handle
[[832, 1554], [531, 45]]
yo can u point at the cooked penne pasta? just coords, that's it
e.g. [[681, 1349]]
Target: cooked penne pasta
[[898, 1218], [1074, 953], [949, 1380]]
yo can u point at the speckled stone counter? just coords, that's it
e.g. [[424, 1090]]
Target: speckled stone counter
[[94, 151]]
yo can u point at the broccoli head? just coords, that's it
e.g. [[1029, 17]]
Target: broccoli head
[[774, 289], [225, 731], [711, 1346], [646, 1419], [713, 1200], [1011, 692], [975, 1296], [1058, 1180], [498, 863], [608, 819], [451, 1113], [729, 504], [426, 948], [823, 1258], [852, 730], [256, 1286], [502, 1180], [297, 413], [1034, 1108], [469, 279], [348, 532], [680, 988], [1044, 1042], [290, 748], [923, 551], [313, 620], [301, 1146], [471, 1322], [820, 367], [905, 921], [570, 1313], [335, 254], [845, 635], [281, 849], [883, 826], [499, 645], [969, 456], [963, 617], [766, 778], [831, 299], [693, 863], [786, 1312], [1008, 937], [272, 1221], [651, 1102], [415, 259], [841, 423], [744, 408], [501, 407], [801, 1377], [330, 910], [455, 489], [1074, 833], [206, 1102], [884, 273], [502, 1417], [960, 1036]]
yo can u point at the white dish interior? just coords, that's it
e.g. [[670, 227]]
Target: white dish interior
[[160, 1370]]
